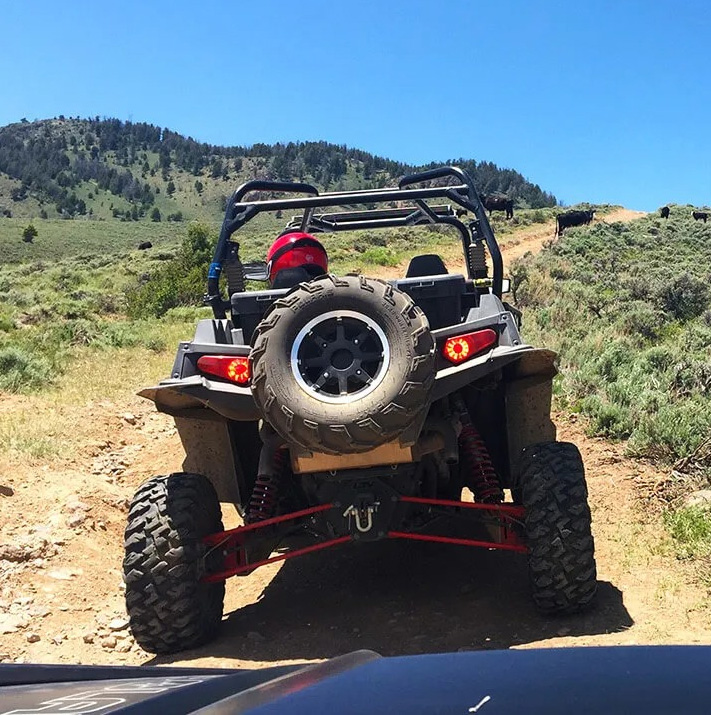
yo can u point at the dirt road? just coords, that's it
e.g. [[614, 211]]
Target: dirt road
[[61, 530]]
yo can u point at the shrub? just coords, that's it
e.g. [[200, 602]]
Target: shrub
[[29, 233], [6, 323], [21, 370], [642, 319], [180, 281], [691, 527], [381, 256], [685, 297]]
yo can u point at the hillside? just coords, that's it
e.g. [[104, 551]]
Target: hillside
[[628, 307], [109, 169]]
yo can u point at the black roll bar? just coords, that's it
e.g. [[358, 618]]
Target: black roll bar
[[238, 212], [231, 223], [475, 206]]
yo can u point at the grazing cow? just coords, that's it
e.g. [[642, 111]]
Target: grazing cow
[[143, 246], [664, 211], [573, 218], [700, 215], [497, 202]]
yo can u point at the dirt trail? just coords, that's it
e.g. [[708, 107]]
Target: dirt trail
[[61, 548], [533, 238], [513, 246]]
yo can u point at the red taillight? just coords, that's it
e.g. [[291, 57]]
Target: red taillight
[[229, 367], [462, 347]]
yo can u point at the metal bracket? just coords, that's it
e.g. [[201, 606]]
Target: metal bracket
[[363, 516]]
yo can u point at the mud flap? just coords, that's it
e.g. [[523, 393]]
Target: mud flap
[[528, 393]]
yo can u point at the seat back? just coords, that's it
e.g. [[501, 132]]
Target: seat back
[[429, 264]]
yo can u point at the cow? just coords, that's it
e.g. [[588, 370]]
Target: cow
[[497, 202], [700, 215], [664, 211], [143, 246], [573, 218]]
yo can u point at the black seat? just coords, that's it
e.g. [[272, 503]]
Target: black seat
[[290, 277], [429, 264]]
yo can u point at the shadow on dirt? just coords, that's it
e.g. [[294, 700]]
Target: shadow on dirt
[[399, 598]]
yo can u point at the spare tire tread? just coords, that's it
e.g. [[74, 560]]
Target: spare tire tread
[[366, 430]]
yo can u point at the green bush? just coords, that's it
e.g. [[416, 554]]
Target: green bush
[[180, 281], [691, 527], [21, 370], [685, 297], [6, 323], [381, 256]]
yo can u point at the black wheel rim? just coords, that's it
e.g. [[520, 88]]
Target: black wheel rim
[[340, 356]]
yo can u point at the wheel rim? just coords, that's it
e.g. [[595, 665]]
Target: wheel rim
[[340, 356]]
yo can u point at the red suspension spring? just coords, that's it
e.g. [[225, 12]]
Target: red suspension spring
[[478, 466], [265, 494]]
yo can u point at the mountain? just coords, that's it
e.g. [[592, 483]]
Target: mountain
[[106, 168]]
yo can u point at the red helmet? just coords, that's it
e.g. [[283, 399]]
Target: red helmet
[[293, 250]]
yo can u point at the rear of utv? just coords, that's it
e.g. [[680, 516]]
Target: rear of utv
[[332, 410]]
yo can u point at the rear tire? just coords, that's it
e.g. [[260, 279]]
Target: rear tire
[[169, 609], [561, 548]]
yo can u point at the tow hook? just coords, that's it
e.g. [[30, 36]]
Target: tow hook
[[363, 516]]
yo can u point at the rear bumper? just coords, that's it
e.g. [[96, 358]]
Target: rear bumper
[[188, 395]]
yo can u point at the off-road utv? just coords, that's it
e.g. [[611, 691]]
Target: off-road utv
[[343, 409]]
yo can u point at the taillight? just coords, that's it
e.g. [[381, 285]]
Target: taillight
[[459, 348], [228, 367]]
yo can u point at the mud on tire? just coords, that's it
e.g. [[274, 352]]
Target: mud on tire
[[169, 608], [344, 422], [561, 548]]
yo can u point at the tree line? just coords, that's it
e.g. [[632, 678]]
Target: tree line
[[52, 157]]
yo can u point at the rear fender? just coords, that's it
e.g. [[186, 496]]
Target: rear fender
[[454, 378], [174, 397], [218, 426], [528, 389]]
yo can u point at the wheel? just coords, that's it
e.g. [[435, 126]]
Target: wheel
[[342, 365], [169, 609], [561, 548]]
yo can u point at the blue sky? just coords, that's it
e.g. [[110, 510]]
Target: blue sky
[[603, 101]]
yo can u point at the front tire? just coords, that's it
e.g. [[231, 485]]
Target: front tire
[[169, 608], [558, 527]]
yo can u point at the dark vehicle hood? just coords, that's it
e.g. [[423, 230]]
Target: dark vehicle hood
[[663, 679]]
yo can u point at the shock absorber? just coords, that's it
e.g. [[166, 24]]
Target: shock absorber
[[265, 494], [233, 270], [478, 466], [477, 260], [478, 469]]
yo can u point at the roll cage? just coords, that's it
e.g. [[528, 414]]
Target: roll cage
[[462, 193]]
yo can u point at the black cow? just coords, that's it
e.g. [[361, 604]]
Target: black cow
[[664, 211], [573, 218], [143, 246], [700, 215], [496, 202]]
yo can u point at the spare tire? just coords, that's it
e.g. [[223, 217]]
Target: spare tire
[[342, 365]]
